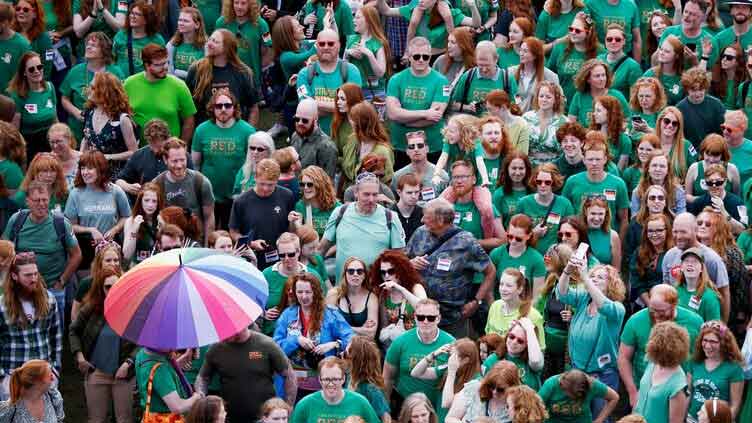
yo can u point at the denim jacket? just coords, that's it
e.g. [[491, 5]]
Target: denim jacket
[[333, 328]]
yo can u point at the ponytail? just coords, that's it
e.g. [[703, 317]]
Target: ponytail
[[15, 386]]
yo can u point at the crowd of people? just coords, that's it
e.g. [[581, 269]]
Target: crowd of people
[[465, 210]]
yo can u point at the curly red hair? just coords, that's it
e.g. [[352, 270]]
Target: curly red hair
[[108, 92], [406, 274]]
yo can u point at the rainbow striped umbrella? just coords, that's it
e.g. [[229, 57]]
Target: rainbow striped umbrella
[[185, 298]]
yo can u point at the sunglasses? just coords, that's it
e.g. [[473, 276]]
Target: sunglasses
[[496, 388], [728, 57], [565, 234], [226, 106], [356, 271], [749, 65], [547, 183], [424, 57], [307, 184], [422, 317], [717, 183], [37, 68], [389, 272], [705, 223], [728, 128], [576, 30], [254, 148], [614, 39], [516, 238], [416, 146], [23, 9], [304, 121], [288, 255], [326, 43], [673, 123], [656, 197]]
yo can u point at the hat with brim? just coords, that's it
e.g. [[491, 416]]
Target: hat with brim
[[694, 251], [738, 3]]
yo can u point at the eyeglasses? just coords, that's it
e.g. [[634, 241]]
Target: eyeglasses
[[715, 183], [547, 183], [515, 338], [254, 148], [226, 106], [23, 9], [330, 380], [55, 142], [496, 388], [656, 197], [37, 68], [423, 57], [390, 272], [356, 271], [422, 317], [302, 120], [673, 123], [656, 231], [307, 184], [288, 255], [726, 128], [461, 177], [566, 234], [576, 30], [728, 57], [416, 146], [614, 39], [326, 43]]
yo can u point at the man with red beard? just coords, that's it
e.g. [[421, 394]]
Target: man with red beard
[[662, 307], [29, 320], [495, 145], [466, 213], [314, 147]]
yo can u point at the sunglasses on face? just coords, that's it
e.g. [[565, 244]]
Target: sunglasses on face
[[288, 255], [705, 223], [304, 121], [307, 184], [326, 43], [614, 39], [423, 57], [226, 106], [577, 31], [727, 128], [37, 68], [656, 197], [356, 271], [516, 238], [673, 123], [422, 317], [416, 146], [259, 149], [728, 57], [23, 9], [389, 272], [565, 234], [547, 183], [716, 183], [496, 388]]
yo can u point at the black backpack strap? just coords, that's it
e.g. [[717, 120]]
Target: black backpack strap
[[505, 85], [311, 72], [619, 63], [58, 221], [341, 213], [745, 90], [17, 225], [198, 188], [443, 239], [389, 218], [466, 88]]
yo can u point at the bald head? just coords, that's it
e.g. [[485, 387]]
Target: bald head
[[685, 231], [486, 58], [307, 108], [327, 46], [665, 293]]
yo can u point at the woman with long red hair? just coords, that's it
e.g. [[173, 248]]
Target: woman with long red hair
[[460, 54], [368, 49], [568, 57], [31, 23], [554, 20], [530, 72], [608, 118], [348, 95], [668, 68], [32, 394], [519, 29], [369, 136]]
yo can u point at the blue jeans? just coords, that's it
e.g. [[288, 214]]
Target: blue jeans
[[610, 377]]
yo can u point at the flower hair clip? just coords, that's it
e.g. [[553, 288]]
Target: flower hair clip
[[585, 17]]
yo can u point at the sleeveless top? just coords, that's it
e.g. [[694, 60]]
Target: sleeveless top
[[109, 140], [356, 319], [699, 187]]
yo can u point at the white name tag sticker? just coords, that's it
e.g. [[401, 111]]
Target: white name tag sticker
[[122, 6], [694, 302], [271, 256], [604, 360], [267, 37], [302, 91], [447, 90], [553, 218], [456, 218], [743, 217], [468, 216], [610, 194], [31, 108], [427, 194], [444, 264]]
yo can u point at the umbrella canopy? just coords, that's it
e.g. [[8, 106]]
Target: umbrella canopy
[[186, 298]]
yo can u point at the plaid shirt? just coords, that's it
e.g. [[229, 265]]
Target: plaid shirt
[[451, 268], [396, 31], [41, 339]]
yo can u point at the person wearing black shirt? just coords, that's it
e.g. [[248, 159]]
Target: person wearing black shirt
[[408, 211]]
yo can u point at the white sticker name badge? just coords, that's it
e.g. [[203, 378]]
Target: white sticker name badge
[[553, 219], [267, 37], [427, 194], [456, 218], [444, 264], [743, 217], [446, 90], [604, 360], [468, 216], [610, 194], [271, 256], [302, 91], [31, 108], [694, 302]]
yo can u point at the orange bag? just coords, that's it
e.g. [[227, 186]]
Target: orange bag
[[157, 417]]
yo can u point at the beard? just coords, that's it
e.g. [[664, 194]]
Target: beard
[[305, 133], [461, 192], [490, 148], [740, 19]]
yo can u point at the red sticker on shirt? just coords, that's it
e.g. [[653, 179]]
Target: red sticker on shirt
[[675, 271]]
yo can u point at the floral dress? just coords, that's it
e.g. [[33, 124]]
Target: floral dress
[[17, 413], [544, 147], [109, 140]]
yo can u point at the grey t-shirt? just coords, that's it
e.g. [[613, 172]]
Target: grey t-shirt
[[97, 209], [183, 193], [714, 263]]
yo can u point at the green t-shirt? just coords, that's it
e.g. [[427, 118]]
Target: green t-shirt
[[561, 209], [741, 156], [11, 51], [211, 10], [323, 87], [727, 37], [467, 217], [370, 82], [708, 307], [165, 380], [42, 45], [455, 153], [637, 332], [480, 87], [185, 55], [746, 105], [625, 75], [12, 173], [175, 101], [342, 17], [653, 401], [527, 375], [315, 409], [745, 244], [578, 187], [529, 263], [405, 352], [631, 177], [120, 50], [320, 217], [582, 106], [563, 409], [550, 28], [646, 9], [493, 167], [508, 57], [705, 32], [119, 7], [566, 65], [498, 322], [251, 37], [292, 61], [223, 152], [437, 35], [671, 84], [507, 203], [38, 110], [75, 87], [709, 384], [603, 13], [485, 7], [600, 244], [276, 282], [417, 93]]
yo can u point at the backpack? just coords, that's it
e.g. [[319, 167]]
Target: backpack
[[312, 73], [471, 75], [58, 221], [343, 209], [198, 182], [274, 87]]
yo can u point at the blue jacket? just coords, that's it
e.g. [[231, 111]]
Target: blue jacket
[[334, 327]]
